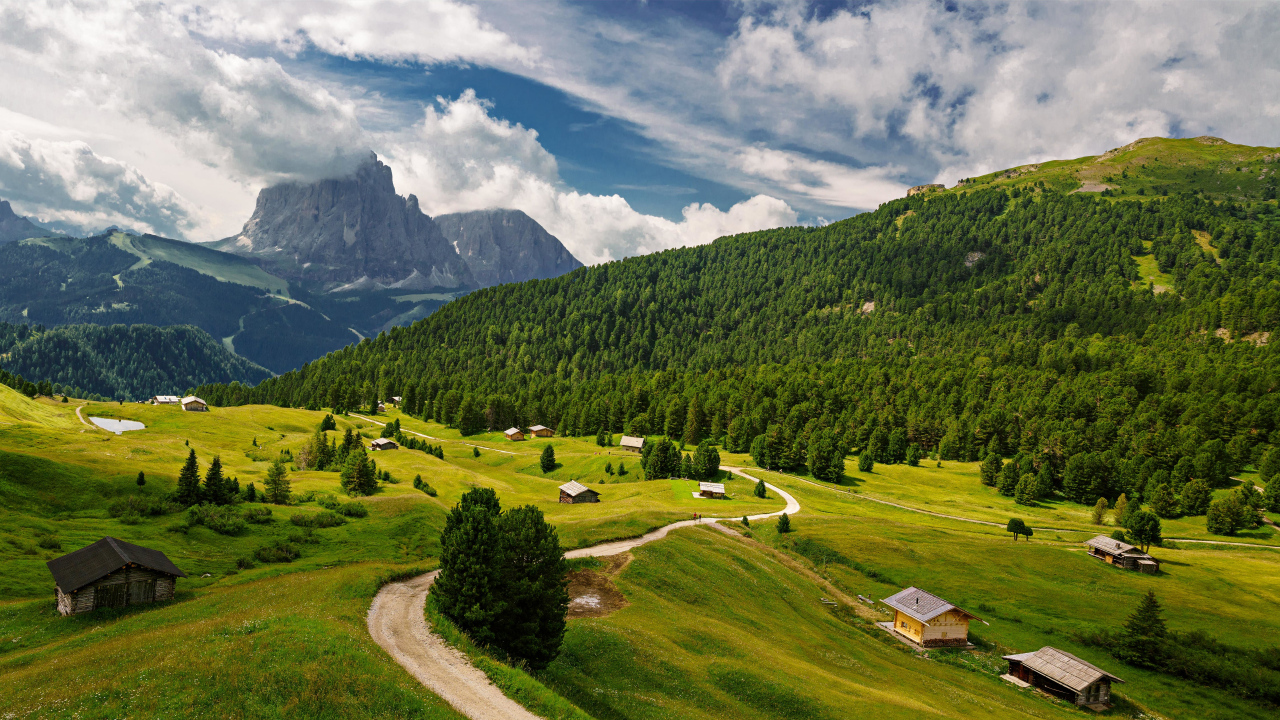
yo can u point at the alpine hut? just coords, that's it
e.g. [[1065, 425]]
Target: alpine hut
[[513, 434], [711, 490], [929, 621], [634, 444], [383, 444], [1121, 554], [111, 573], [574, 492], [191, 403], [542, 431], [165, 400], [1063, 675]]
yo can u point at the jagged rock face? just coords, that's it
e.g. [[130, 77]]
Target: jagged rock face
[[354, 231], [502, 246], [15, 227]]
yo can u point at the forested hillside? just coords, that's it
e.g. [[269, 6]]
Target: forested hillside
[[117, 361], [1125, 334]]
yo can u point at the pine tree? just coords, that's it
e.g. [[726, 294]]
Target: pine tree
[[547, 461], [534, 588], [914, 453], [142, 478], [601, 438], [215, 486], [1222, 517], [251, 493], [622, 468], [1142, 642], [277, 486], [1007, 484], [1118, 510], [761, 491], [366, 475], [1270, 465], [866, 463], [1271, 498], [608, 468], [1163, 502], [784, 524], [1196, 496], [188, 492], [475, 452], [991, 468], [1025, 492], [469, 589], [693, 423]]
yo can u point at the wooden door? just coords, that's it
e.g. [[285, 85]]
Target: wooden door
[[110, 595], [142, 591]]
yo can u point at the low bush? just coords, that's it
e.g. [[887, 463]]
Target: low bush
[[277, 552], [328, 502], [138, 505], [305, 497], [220, 519], [354, 510], [49, 542], [258, 515], [324, 519], [306, 537], [244, 563], [130, 518]]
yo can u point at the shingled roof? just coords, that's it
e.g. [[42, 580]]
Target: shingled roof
[[921, 605], [1062, 667], [631, 442], [1111, 546], [89, 564]]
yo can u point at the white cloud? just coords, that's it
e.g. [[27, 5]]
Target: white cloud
[[461, 158], [65, 185]]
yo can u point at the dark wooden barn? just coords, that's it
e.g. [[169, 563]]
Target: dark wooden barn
[[574, 492], [112, 573], [1063, 675]]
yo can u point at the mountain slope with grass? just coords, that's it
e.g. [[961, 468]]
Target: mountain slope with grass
[[130, 362]]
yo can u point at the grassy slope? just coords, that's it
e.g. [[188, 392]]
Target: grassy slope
[[222, 266], [1153, 165], [294, 646], [712, 623]]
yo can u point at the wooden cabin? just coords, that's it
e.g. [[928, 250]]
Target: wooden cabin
[[928, 620], [191, 403], [513, 434], [395, 399], [383, 444], [574, 492], [542, 431], [1063, 675], [711, 490], [165, 400], [634, 444], [111, 573], [1121, 554]]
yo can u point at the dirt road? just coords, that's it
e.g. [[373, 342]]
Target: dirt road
[[396, 623]]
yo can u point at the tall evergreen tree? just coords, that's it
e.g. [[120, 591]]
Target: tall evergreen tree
[[469, 589], [547, 461], [1142, 642], [215, 485], [534, 587], [277, 486], [188, 492], [990, 469]]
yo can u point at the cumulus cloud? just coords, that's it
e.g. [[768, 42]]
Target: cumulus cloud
[[66, 186], [460, 158]]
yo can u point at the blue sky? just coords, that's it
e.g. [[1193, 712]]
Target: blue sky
[[622, 127]]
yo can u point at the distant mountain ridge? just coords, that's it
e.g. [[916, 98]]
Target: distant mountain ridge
[[502, 246], [15, 227], [130, 362]]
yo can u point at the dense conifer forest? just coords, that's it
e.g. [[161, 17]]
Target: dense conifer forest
[[127, 362], [1003, 321]]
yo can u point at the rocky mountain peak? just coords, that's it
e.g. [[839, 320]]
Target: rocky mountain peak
[[502, 246], [15, 227]]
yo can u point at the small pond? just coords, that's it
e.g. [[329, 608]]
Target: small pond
[[117, 426]]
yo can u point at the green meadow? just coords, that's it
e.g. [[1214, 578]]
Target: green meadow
[[715, 624]]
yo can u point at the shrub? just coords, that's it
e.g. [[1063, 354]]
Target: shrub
[[277, 552], [258, 515], [139, 505], [318, 520], [866, 463], [217, 518], [306, 537], [130, 518], [784, 523], [328, 502], [49, 542], [244, 563], [305, 497], [354, 509]]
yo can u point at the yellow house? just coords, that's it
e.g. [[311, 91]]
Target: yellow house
[[928, 620]]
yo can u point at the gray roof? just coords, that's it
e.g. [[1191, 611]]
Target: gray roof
[[712, 487], [94, 562], [575, 488], [382, 441], [512, 431], [192, 398], [1111, 546], [1062, 667], [536, 428], [628, 441], [921, 605]]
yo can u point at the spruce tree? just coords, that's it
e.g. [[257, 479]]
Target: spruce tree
[[1007, 482], [366, 475], [215, 486], [277, 486], [469, 588], [547, 461], [866, 463], [761, 491], [142, 478], [188, 492], [1099, 511], [914, 453], [1143, 641], [600, 437], [608, 468], [1118, 510], [1025, 492], [534, 588], [1163, 502], [784, 523], [475, 452], [1196, 496], [1271, 498]]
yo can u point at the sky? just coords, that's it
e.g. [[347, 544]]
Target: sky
[[623, 127]]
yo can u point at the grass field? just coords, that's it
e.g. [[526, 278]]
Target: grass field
[[715, 626]]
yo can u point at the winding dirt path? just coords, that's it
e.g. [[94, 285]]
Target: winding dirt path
[[415, 432], [396, 622]]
